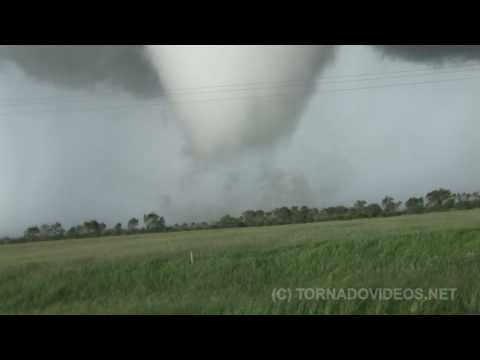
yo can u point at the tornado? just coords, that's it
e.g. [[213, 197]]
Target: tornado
[[232, 99]]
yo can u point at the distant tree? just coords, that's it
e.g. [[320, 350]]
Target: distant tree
[[336, 212], [313, 214], [295, 215], [118, 228], [359, 208], [437, 198], [414, 205], [475, 200], [82, 230], [72, 232], [259, 218], [450, 203], [132, 224], [282, 215], [51, 231], [204, 225], [305, 215], [45, 231], [153, 222], [464, 200], [32, 233], [57, 230], [249, 218], [228, 221], [390, 206], [268, 218], [373, 210], [360, 204], [93, 227], [253, 218], [330, 212], [323, 215]]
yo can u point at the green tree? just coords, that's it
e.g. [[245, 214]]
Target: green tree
[[415, 205], [475, 201], [153, 222], [249, 218], [58, 231], [464, 200], [313, 214], [437, 198], [359, 208], [32, 233], [93, 227], [259, 218], [269, 218], [282, 215], [228, 221], [373, 210], [45, 231], [118, 228], [389, 205], [305, 215], [72, 232], [132, 224], [337, 212], [295, 216]]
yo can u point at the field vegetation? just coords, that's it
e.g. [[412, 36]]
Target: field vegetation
[[234, 271]]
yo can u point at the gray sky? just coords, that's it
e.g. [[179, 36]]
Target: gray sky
[[107, 150]]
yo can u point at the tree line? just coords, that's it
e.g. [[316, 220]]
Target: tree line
[[436, 200]]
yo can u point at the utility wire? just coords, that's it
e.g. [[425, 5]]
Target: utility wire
[[274, 95], [256, 86]]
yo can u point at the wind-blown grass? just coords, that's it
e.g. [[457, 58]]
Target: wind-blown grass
[[236, 270]]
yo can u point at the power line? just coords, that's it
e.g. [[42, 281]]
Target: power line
[[276, 95], [402, 71], [288, 83], [431, 73], [401, 84], [265, 96]]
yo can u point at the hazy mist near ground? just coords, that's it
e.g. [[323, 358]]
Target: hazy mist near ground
[[107, 151]]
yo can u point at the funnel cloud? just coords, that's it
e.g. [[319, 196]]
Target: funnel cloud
[[230, 98], [84, 131]]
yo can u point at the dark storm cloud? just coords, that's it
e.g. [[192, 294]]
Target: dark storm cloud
[[83, 66], [128, 66], [119, 157], [431, 53]]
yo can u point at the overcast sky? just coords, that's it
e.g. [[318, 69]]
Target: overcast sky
[[107, 152]]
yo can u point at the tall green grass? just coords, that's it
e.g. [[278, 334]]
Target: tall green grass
[[235, 271]]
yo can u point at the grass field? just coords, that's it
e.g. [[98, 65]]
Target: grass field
[[236, 270]]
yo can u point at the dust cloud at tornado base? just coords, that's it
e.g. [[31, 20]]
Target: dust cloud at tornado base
[[127, 155]]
